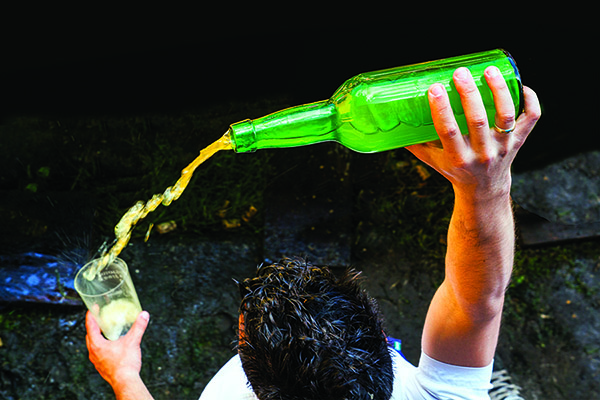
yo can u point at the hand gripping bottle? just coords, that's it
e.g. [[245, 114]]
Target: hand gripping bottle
[[378, 111]]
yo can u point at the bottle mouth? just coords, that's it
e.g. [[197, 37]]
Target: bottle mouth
[[242, 136]]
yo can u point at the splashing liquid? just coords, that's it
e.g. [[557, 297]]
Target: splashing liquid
[[140, 210]]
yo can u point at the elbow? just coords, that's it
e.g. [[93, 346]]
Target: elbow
[[482, 301], [475, 305], [485, 308]]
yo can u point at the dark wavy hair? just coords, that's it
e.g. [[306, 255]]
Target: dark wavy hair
[[309, 335]]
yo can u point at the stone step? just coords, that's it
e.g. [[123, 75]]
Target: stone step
[[308, 206]]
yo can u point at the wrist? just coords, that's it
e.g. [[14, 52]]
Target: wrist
[[124, 378], [484, 199], [483, 194], [129, 386], [489, 214]]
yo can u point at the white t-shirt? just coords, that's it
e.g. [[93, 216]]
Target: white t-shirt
[[432, 380]]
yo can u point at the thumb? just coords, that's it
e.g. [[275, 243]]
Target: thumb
[[93, 330], [425, 151], [139, 327]]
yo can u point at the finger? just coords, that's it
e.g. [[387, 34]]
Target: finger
[[531, 115], [138, 328], [474, 109], [503, 102], [443, 119]]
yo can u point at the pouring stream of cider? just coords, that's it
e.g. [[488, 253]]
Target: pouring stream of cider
[[139, 211]]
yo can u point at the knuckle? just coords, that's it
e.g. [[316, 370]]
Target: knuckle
[[449, 131], [461, 164], [485, 158], [478, 122], [506, 117], [505, 120], [465, 162], [536, 115]]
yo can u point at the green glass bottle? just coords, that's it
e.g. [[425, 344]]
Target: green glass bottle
[[378, 111]]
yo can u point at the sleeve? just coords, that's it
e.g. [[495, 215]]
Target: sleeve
[[445, 381], [229, 383]]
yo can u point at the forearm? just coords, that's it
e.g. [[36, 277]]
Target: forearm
[[480, 253]]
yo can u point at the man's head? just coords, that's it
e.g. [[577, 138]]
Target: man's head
[[309, 335]]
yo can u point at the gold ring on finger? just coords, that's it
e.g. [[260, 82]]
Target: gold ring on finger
[[505, 131]]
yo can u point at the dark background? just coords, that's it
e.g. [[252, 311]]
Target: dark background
[[93, 66]]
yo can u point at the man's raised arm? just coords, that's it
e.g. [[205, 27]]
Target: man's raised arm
[[463, 320]]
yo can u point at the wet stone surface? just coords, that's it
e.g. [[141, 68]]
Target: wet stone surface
[[562, 200], [551, 348], [567, 191]]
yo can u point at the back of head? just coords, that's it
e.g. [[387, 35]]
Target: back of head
[[309, 335]]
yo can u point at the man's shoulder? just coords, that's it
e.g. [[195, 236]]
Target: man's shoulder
[[230, 382]]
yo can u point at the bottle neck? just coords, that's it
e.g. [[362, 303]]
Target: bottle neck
[[292, 127]]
